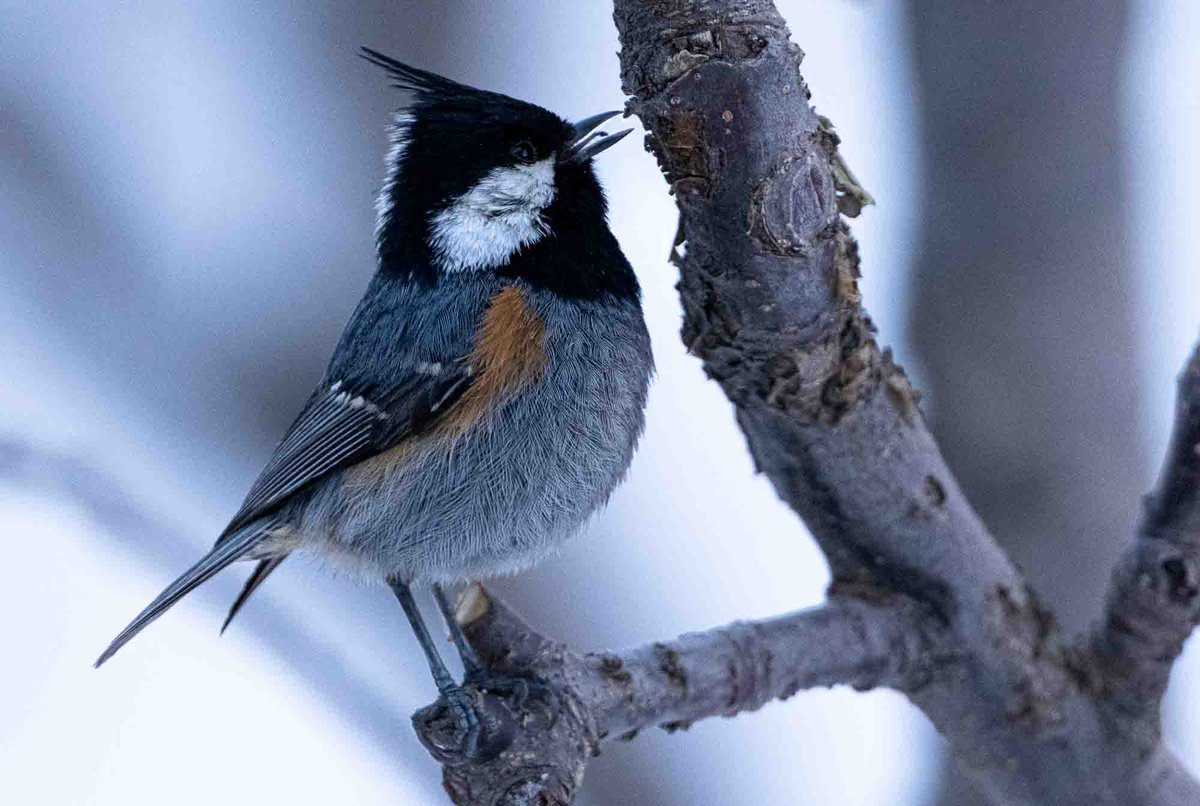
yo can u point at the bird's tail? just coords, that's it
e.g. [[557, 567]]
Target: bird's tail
[[231, 548], [261, 572]]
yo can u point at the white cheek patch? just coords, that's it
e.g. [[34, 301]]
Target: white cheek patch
[[495, 219]]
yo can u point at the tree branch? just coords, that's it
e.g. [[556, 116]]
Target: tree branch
[[1154, 601], [720, 672]]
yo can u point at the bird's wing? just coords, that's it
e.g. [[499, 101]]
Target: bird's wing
[[346, 422], [342, 425]]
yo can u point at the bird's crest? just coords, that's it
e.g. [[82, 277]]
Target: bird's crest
[[413, 79], [438, 96]]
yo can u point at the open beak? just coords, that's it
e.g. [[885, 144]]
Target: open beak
[[588, 142]]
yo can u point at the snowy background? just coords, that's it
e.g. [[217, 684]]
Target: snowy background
[[186, 197]]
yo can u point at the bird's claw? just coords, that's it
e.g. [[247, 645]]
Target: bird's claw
[[475, 722], [466, 714], [520, 689], [464, 726]]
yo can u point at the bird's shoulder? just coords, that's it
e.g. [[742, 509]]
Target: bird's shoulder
[[487, 325], [402, 322]]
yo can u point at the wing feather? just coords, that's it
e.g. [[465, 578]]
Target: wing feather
[[340, 426]]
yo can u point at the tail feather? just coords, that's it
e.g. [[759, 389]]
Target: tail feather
[[232, 549], [261, 572]]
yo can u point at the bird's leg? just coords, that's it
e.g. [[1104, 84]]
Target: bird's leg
[[472, 668], [458, 699], [441, 675], [519, 687]]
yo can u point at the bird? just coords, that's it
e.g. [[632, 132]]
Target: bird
[[488, 392]]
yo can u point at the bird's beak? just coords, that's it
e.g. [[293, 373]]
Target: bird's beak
[[589, 143]]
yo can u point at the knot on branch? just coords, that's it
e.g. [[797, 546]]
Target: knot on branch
[[1180, 576], [1161, 583], [793, 205]]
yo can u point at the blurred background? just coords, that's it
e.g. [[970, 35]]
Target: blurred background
[[186, 196]]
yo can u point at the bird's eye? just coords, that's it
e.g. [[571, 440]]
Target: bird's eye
[[524, 152]]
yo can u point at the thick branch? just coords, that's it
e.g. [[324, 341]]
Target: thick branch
[[1154, 601], [771, 304]]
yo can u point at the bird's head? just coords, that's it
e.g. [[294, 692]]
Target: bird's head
[[476, 179]]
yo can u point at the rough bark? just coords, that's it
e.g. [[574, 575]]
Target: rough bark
[[923, 599]]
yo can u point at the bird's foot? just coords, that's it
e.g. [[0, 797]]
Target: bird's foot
[[464, 726], [520, 688]]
